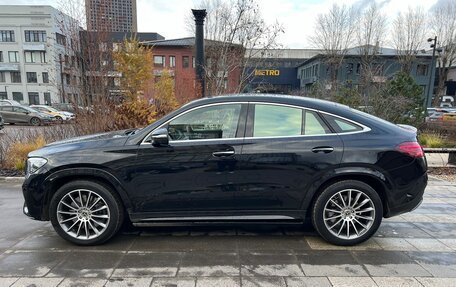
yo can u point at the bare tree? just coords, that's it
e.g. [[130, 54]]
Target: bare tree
[[371, 30], [232, 28], [334, 34], [408, 35], [87, 59], [443, 25]]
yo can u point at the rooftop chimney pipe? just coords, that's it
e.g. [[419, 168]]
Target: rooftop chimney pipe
[[199, 48]]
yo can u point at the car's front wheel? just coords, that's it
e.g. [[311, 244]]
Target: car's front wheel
[[347, 212], [85, 212], [35, 121]]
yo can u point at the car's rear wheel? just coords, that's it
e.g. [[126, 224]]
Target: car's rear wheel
[[35, 121], [347, 212], [85, 212]]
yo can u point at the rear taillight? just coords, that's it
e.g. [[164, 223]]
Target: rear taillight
[[413, 149]]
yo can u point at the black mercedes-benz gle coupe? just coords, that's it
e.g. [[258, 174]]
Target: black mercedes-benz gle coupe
[[236, 158]]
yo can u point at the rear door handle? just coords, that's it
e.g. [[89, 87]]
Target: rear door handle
[[323, 149], [223, 153]]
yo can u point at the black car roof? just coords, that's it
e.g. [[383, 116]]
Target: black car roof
[[273, 98]]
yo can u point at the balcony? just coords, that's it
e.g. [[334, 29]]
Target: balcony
[[9, 67], [34, 47]]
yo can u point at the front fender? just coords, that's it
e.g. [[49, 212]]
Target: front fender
[[85, 173]]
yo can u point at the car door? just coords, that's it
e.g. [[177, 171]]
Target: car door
[[196, 171], [286, 148], [20, 114], [7, 114]]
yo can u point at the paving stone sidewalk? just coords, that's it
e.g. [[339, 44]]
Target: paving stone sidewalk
[[415, 249]]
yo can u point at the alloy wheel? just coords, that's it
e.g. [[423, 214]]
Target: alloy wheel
[[83, 214], [349, 214]]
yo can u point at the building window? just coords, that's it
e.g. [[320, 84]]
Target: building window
[[7, 36], [67, 79], [31, 77], [185, 62], [1, 56], [2, 77], [61, 40], [43, 57], [13, 56], [15, 77], [159, 61], [3, 95], [172, 61], [17, 96], [34, 98], [358, 68], [421, 70], [29, 57], [193, 62], [47, 99], [45, 77], [35, 36]]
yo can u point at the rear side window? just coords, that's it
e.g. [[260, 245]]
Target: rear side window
[[276, 121], [314, 125], [341, 125]]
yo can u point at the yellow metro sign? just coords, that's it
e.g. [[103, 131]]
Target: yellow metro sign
[[267, 72]]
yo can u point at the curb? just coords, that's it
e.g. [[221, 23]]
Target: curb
[[17, 179]]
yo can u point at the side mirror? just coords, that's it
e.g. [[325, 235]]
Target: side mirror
[[160, 137]]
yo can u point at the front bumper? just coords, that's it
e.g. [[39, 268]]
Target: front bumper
[[34, 193]]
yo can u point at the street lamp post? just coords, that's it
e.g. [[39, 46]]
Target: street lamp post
[[429, 95]]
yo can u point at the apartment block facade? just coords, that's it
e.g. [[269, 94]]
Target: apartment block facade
[[35, 66], [111, 15]]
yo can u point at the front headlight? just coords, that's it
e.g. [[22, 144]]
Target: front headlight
[[34, 164]]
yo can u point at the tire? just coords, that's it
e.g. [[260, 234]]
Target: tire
[[362, 214], [35, 121], [75, 222], [59, 119]]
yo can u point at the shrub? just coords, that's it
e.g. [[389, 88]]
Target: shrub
[[18, 152], [431, 140]]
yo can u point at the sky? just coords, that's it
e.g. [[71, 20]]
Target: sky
[[168, 17]]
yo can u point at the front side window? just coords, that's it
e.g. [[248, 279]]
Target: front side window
[[213, 122], [277, 121]]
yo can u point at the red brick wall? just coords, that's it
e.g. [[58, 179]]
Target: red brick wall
[[184, 78]]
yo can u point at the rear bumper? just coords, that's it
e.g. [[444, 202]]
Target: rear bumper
[[409, 198]]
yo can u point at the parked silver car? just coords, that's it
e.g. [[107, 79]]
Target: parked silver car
[[23, 114]]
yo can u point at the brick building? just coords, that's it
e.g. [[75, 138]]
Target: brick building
[[178, 56]]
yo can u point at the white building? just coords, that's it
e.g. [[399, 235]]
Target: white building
[[34, 55]]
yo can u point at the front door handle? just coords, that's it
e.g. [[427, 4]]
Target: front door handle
[[223, 153], [323, 149]]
